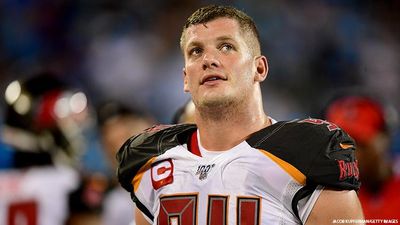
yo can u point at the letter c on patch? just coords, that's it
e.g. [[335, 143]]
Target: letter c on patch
[[162, 173]]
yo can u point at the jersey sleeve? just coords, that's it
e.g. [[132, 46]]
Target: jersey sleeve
[[140, 150], [320, 150], [335, 164], [133, 154]]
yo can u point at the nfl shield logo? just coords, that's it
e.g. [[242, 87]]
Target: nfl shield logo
[[203, 170]]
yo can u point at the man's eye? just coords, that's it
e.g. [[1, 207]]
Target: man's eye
[[226, 47], [195, 51]]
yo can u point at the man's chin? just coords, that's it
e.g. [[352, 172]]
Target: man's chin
[[216, 102]]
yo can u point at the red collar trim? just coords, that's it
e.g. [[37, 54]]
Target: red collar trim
[[194, 144]]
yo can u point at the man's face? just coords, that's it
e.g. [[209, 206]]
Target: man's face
[[219, 67], [373, 159]]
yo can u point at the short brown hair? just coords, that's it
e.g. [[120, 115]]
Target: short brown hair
[[212, 12]]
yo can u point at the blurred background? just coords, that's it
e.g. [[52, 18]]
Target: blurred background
[[128, 51]]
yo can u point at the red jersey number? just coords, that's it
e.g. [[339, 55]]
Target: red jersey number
[[329, 125], [22, 213], [182, 210]]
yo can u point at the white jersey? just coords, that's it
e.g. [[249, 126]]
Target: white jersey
[[36, 196], [118, 209], [259, 181]]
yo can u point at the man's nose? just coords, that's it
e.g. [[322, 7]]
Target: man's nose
[[210, 61]]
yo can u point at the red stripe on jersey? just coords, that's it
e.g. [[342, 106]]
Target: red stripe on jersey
[[194, 144]]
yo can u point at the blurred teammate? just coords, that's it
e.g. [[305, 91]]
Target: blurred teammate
[[236, 165], [184, 114], [364, 120], [43, 123], [117, 122]]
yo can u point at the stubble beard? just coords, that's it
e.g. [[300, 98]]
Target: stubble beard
[[218, 109]]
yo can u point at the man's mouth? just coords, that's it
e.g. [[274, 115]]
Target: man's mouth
[[211, 78]]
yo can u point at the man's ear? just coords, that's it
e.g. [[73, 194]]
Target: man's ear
[[185, 81], [261, 65]]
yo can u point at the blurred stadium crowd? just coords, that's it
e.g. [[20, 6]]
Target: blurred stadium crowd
[[128, 51]]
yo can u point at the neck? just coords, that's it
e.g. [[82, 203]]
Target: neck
[[223, 128]]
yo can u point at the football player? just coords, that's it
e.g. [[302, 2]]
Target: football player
[[43, 128], [117, 122], [236, 165]]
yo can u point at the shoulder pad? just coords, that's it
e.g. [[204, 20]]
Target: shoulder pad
[[322, 151], [137, 150]]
